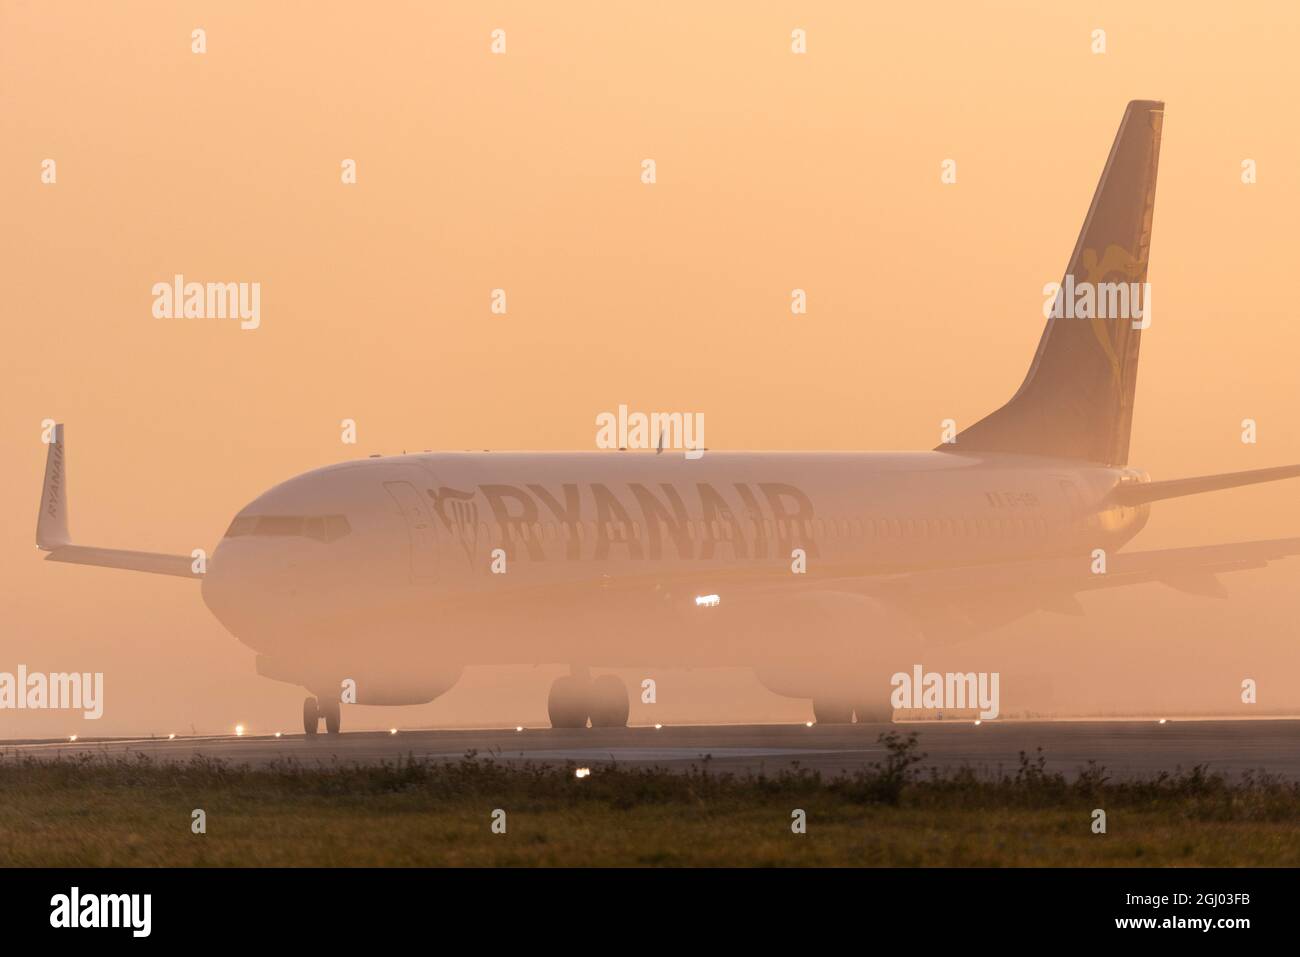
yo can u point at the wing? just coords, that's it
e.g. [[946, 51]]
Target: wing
[[182, 566]]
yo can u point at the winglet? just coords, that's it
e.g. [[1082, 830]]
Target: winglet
[[52, 523], [52, 528]]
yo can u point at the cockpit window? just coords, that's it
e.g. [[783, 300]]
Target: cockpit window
[[279, 525], [243, 525], [322, 528]]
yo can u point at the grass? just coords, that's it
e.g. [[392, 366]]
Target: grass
[[137, 812]]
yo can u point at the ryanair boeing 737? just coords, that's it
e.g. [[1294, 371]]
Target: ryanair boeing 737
[[397, 572]]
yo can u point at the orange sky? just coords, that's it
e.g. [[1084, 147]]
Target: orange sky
[[521, 171]]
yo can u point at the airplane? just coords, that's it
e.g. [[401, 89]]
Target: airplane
[[823, 572]]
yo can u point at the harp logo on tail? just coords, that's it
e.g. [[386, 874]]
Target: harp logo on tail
[[1109, 290]]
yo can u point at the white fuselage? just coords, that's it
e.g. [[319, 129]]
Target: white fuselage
[[400, 571]]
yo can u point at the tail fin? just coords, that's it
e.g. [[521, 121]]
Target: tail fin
[[1077, 400]]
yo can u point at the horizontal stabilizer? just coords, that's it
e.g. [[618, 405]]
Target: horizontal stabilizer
[[1206, 585], [1176, 488], [1187, 569]]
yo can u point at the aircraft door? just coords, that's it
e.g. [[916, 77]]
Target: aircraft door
[[416, 512]]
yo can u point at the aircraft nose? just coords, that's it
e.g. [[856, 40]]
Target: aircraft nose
[[254, 587], [216, 580], [229, 588]]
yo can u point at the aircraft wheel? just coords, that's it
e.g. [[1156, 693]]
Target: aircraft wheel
[[609, 704], [330, 711], [310, 717], [832, 711], [567, 704]]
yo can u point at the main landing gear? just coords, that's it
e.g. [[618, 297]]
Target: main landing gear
[[313, 709], [840, 711], [575, 698]]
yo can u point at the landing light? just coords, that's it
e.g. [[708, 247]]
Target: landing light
[[808, 724], [707, 601], [582, 772], [519, 727], [978, 722], [277, 734], [1162, 720], [72, 737], [239, 730], [659, 727], [392, 731], [171, 737]]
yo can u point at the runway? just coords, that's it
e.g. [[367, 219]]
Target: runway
[[1127, 749]]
